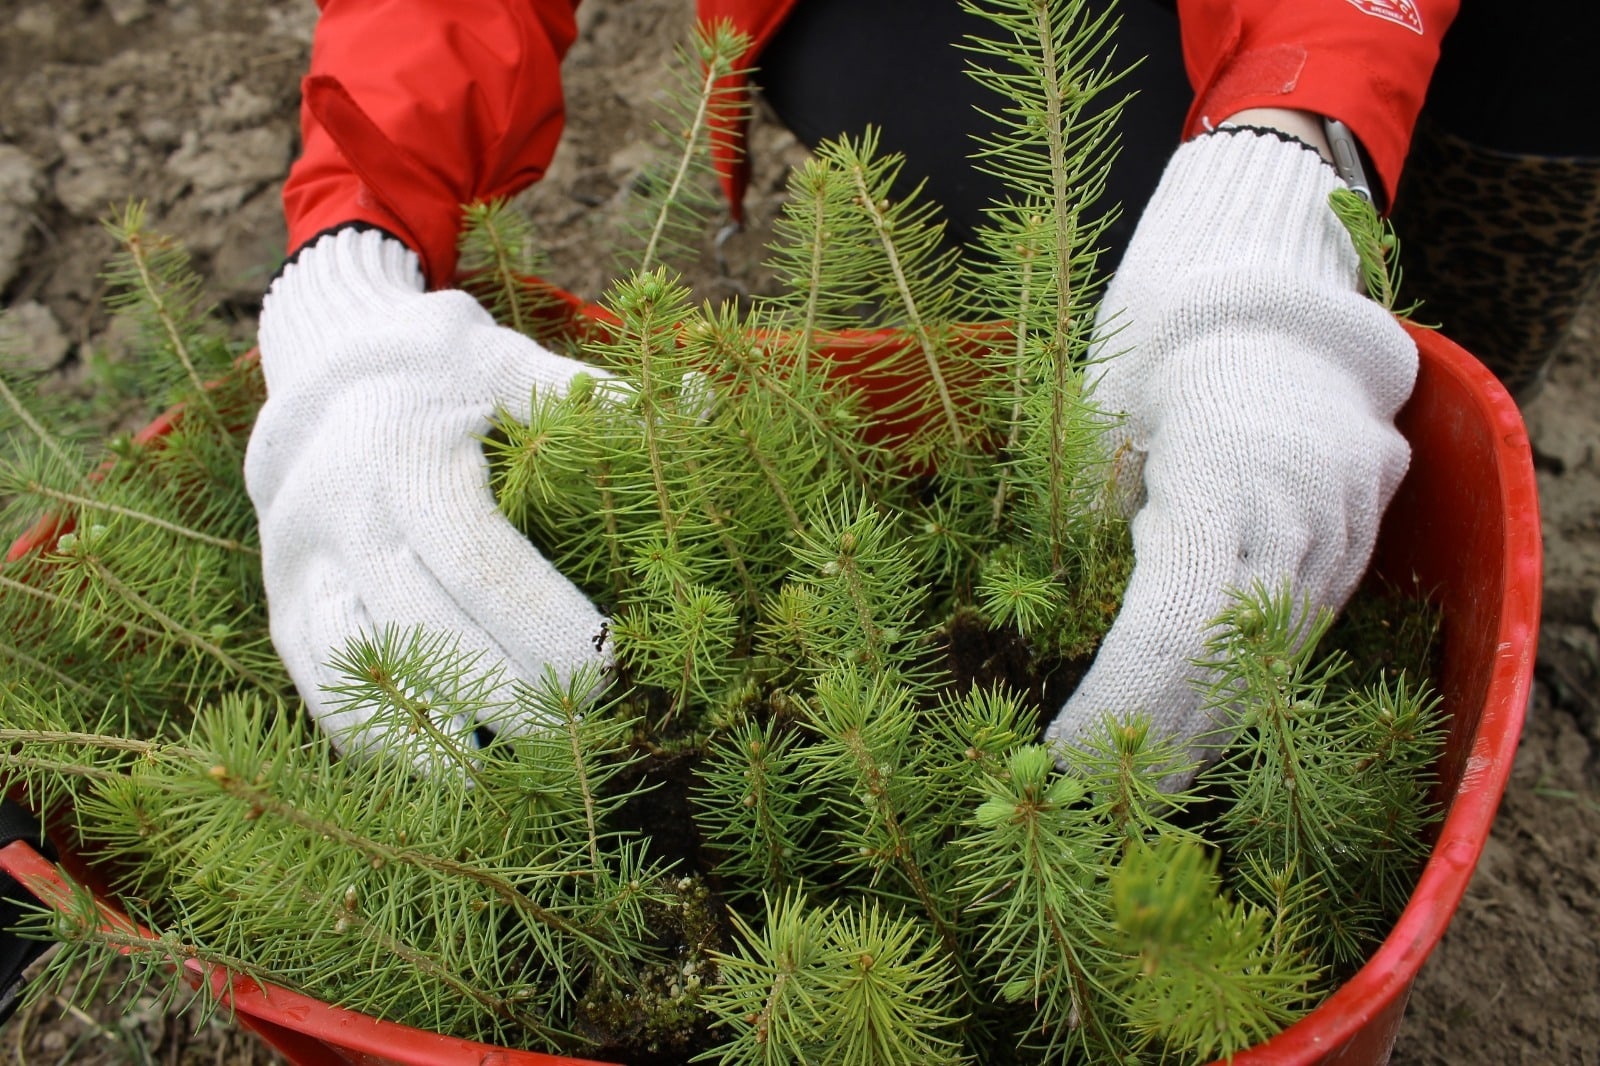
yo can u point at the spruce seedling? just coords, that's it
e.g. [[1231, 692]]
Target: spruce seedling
[[1377, 248], [150, 281], [1032, 883], [500, 257], [1211, 977], [832, 984], [1324, 781], [147, 566], [674, 199], [765, 839]]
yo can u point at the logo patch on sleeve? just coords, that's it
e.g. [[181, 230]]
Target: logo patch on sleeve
[[1402, 12]]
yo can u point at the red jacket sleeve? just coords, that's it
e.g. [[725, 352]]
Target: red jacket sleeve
[[1366, 63], [415, 107], [759, 21]]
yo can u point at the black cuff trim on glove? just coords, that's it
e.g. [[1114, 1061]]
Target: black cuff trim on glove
[[1269, 131], [356, 225]]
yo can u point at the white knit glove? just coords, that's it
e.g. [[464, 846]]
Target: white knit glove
[[372, 491], [1258, 389]]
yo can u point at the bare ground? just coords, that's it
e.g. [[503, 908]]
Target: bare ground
[[189, 105]]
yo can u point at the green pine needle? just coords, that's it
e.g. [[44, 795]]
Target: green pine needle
[[1377, 248]]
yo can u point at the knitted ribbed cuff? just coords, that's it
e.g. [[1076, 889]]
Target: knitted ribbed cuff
[[1246, 199], [337, 283]]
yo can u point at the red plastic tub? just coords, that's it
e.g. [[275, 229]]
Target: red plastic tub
[[1465, 524]]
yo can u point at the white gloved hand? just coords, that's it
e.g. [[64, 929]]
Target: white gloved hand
[[372, 490], [1257, 388]]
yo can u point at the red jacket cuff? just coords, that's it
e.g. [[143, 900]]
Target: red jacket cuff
[[1366, 63], [414, 108]]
